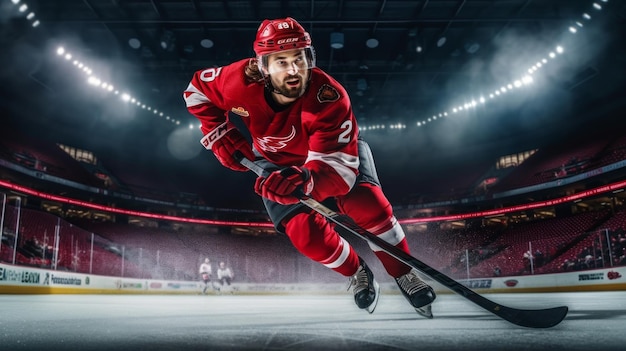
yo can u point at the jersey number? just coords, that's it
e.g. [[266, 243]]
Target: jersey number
[[208, 75], [344, 137]]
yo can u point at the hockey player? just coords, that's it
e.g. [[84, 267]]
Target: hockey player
[[206, 274], [224, 275], [304, 130]]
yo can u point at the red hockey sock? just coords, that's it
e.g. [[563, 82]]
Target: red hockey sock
[[314, 237]]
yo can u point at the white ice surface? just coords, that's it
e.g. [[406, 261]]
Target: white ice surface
[[596, 321]]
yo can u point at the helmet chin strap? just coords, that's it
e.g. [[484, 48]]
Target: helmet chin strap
[[269, 91], [272, 89], [267, 81], [269, 86]]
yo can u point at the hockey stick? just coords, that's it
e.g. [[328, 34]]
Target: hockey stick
[[539, 318]]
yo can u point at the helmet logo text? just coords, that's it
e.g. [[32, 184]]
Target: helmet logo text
[[286, 41]]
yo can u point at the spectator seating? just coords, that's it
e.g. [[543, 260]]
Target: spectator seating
[[553, 162], [46, 157]]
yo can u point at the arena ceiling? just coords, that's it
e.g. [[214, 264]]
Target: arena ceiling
[[468, 50]]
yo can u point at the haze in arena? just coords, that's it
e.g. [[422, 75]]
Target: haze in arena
[[209, 175]]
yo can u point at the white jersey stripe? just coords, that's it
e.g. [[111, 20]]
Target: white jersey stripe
[[195, 98], [344, 164]]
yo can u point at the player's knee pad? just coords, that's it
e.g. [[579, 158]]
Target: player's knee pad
[[368, 207]]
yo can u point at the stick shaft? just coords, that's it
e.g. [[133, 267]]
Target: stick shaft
[[543, 318]]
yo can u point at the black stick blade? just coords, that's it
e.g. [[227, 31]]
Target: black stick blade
[[545, 318]]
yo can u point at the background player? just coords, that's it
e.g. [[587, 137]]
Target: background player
[[206, 273], [224, 275]]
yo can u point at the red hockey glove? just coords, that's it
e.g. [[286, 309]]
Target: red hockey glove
[[281, 186], [224, 141]]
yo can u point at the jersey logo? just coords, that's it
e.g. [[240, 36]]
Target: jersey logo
[[327, 94], [240, 111], [273, 144]]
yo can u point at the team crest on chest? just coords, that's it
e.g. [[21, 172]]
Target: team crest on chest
[[274, 143], [327, 94]]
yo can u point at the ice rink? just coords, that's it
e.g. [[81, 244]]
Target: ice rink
[[596, 321]]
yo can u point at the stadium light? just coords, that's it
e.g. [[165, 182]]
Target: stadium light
[[109, 87], [525, 80]]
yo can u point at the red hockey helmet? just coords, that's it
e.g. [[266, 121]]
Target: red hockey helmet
[[280, 35]]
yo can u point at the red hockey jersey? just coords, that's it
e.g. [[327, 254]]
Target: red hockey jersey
[[318, 130]]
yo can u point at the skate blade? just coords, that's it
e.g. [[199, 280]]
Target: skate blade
[[370, 309], [425, 311]]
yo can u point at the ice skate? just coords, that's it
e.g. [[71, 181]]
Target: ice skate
[[365, 288], [419, 294]]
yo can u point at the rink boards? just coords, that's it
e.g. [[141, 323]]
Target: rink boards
[[31, 280]]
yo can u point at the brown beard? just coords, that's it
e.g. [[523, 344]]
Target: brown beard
[[289, 92]]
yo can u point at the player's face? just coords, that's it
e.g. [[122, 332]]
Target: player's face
[[289, 72]]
